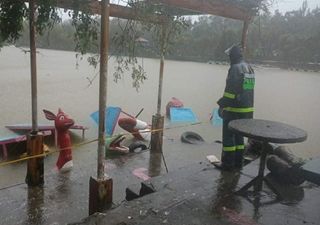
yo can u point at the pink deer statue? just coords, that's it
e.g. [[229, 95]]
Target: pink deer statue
[[62, 124]]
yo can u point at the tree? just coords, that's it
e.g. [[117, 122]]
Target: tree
[[290, 37]]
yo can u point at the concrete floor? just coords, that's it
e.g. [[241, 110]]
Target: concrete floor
[[64, 197], [200, 194], [193, 192]]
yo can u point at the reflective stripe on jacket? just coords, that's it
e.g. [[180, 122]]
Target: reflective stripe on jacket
[[239, 91]]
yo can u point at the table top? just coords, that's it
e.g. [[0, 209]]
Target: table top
[[268, 131]]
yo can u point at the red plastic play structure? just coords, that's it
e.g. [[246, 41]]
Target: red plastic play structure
[[62, 124], [174, 102], [139, 129]]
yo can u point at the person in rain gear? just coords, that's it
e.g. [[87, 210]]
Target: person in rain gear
[[236, 103]]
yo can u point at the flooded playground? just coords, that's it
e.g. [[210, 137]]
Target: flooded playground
[[281, 95]]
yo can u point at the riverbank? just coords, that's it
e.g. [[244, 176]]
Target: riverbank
[[296, 66]]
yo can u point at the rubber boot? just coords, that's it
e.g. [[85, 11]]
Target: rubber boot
[[227, 160], [238, 162]]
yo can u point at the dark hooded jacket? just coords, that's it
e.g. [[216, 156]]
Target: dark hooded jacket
[[237, 100]]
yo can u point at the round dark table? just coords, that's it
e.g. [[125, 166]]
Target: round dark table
[[268, 131], [265, 131]]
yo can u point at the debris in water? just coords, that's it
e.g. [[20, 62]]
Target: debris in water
[[237, 218], [140, 174], [213, 159]]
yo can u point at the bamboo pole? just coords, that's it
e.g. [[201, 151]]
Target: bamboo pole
[[160, 85], [35, 168], [162, 50], [158, 120], [244, 35], [104, 43], [33, 66], [101, 188]]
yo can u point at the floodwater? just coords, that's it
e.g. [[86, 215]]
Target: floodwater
[[288, 96]]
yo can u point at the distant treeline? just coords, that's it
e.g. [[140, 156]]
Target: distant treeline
[[291, 37]]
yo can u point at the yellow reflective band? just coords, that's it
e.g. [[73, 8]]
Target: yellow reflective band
[[229, 149], [239, 110], [229, 95], [240, 147]]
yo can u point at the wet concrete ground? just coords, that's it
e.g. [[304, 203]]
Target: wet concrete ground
[[200, 194], [64, 197], [193, 192]]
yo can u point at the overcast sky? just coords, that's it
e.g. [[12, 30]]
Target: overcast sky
[[289, 5]]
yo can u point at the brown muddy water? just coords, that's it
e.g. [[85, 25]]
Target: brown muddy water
[[288, 96]]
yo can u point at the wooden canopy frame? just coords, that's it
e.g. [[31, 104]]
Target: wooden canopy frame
[[228, 9], [100, 193], [225, 8]]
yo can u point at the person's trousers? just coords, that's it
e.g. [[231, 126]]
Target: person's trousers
[[233, 147]]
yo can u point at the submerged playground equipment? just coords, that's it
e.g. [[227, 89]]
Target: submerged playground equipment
[[62, 124], [138, 128]]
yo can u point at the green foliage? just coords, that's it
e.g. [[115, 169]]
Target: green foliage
[[60, 37], [291, 37], [86, 31], [12, 14], [47, 15], [125, 45], [163, 34]]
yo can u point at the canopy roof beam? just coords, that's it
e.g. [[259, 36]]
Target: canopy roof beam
[[213, 7], [118, 11]]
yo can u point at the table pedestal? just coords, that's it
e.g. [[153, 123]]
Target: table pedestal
[[257, 182], [267, 132]]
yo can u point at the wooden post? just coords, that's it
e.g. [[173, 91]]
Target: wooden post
[[35, 175], [103, 83], [100, 198], [155, 162], [35, 206], [158, 120], [34, 141], [33, 65], [244, 36], [100, 188], [157, 133], [160, 84]]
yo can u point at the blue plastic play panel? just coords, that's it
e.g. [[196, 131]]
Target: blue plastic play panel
[[111, 118], [216, 119], [182, 115]]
